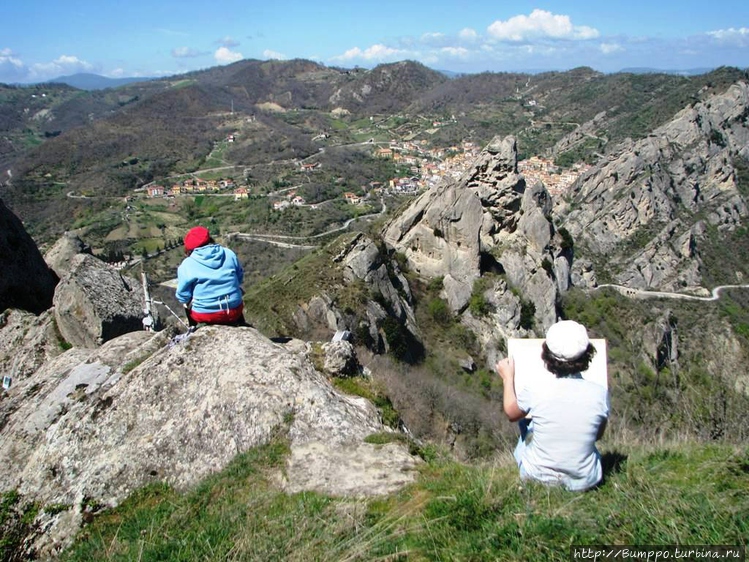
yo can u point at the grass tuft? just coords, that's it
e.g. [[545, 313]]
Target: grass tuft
[[690, 494]]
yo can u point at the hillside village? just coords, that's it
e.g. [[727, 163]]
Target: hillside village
[[428, 167]]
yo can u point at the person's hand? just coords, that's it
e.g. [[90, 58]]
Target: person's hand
[[506, 369]]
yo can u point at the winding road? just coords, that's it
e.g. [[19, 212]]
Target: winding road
[[275, 239], [640, 294]]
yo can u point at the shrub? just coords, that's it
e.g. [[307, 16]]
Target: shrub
[[547, 267], [440, 312], [402, 343], [436, 284], [567, 242], [527, 312], [478, 305]]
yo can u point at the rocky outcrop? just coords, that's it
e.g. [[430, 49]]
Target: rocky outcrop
[[95, 303], [646, 208], [61, 254], [26, 283], [382, 289], [94, 425], [487, 222], [340, 359], [363, 262]]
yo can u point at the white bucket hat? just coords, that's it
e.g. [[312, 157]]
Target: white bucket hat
[[567, 340]]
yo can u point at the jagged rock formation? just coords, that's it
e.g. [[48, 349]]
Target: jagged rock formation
[[95, 303], [647, 208], [95, 424], [59, 256], [26, 281], [360, 262], [488, 221], [364, 262]]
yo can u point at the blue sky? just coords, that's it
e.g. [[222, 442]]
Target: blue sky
[[43, 39]]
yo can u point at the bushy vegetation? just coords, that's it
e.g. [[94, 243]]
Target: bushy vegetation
[[16, 523]]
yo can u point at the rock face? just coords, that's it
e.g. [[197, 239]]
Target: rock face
[[97, 424], [95, 303], [361, 263], [646, 209], [487, 222], [59, 256], [26, 281]]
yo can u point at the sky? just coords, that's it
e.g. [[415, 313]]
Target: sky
[[44, 39]]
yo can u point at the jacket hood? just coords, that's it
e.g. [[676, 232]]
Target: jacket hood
[[212, 256]]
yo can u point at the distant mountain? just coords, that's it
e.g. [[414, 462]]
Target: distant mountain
[[87, 81], [451, 74], [683, 72], [172, 123]]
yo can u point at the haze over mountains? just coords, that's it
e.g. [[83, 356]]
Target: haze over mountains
[[171, 123], [89, 81]]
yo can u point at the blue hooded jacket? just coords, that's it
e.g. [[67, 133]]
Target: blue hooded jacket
[[211, 278]]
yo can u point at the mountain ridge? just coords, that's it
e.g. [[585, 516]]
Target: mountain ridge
[[90, 81]]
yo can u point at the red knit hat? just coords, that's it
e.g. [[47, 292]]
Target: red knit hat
[[197, 237]]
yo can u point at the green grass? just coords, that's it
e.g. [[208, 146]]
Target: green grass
[[372, 391], [688, 494]]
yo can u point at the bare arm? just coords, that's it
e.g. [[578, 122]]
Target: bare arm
[[601, 429], [506, 370]]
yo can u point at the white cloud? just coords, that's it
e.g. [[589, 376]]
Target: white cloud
[[539, 24], [377, 52], [7, 57], [185, 53], [228, 42], [224, 56], [433, 38], [609, 48], [468, 34], [12, 68], [61, 66], [455, 52], [268, 54], [731, 36]]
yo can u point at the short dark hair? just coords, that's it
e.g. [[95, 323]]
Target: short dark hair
[[565, 368]]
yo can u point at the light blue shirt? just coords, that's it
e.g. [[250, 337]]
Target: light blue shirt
[[566, 416], [211, 277]]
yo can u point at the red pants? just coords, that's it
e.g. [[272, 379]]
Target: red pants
[[231, 316]]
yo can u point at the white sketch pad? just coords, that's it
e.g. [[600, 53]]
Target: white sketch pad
[[529, 367]]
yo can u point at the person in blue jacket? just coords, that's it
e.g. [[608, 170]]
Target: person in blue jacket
[[209, 281]]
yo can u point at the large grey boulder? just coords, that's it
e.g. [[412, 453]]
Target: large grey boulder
[[61, 254], [26, 281], [340, 359], [95, 303], [95, 424]]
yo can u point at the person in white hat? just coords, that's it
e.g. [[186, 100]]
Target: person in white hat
[[568, 413]]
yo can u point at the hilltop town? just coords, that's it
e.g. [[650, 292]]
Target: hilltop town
[[427, 166]]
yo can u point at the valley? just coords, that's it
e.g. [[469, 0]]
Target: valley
[[431, 220]]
